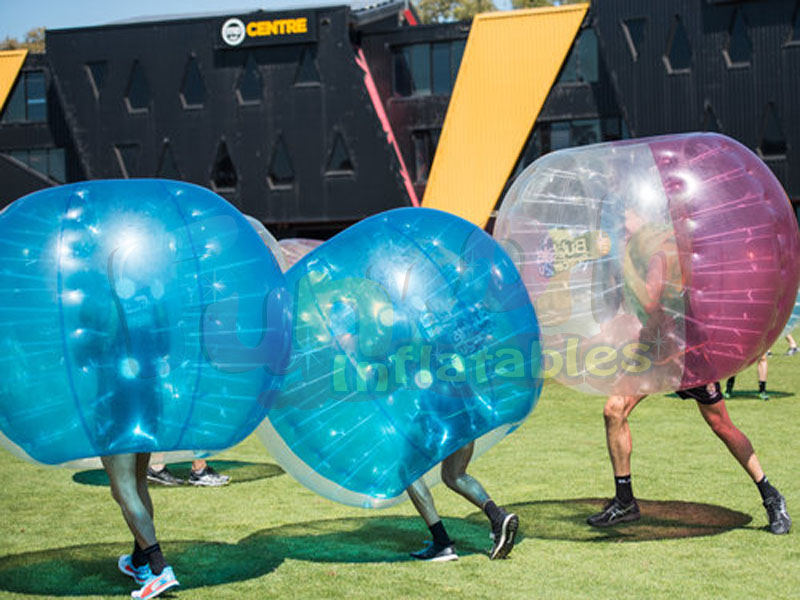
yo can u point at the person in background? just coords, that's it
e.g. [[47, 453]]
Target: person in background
[[201, 474]]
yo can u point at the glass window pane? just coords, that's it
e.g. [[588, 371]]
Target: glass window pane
[[421, 68], [56, 165], [458, 53], [36, 100], [570, 71], [402, 72], [15, 105], [193, 90], [587, 56], [250, 83], [585, 131], [559, 135], [38, 161], [420, 155], [20, 155], [442, 77], [680, 50]]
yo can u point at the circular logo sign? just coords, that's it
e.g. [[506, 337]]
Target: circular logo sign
[[233, 32]]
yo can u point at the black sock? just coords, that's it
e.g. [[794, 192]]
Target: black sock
[[729, 385], [155, 558], [440, 537], [624, 488], [762, 386], [765, 488], [138, 557], [494, 512]]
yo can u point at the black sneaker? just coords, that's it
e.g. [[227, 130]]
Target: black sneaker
[[208, 477], [163, 477], [779, 520], [615, 512], [791, 351], [434, 553], [503, 534]]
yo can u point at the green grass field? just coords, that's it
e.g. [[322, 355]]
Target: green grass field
[[265, 536]]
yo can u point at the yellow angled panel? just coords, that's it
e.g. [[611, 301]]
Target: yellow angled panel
[[10, 64], [510, 63]]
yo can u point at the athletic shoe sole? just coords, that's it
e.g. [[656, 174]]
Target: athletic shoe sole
[[508, 531], [629, 518]]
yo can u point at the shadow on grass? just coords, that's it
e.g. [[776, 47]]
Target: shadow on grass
[[661, 519], [91, 569], [753, 394], [239, 471]]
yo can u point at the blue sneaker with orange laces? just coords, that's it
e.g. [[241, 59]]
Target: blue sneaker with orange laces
[[139, 574], [157, 584]]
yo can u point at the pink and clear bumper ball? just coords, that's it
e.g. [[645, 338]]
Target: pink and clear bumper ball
[[794, 318], [135, 316], [269, 241], [413, 336], [295, 249], [655, 264]]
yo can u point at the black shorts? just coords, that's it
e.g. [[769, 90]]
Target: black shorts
[[704, 394]]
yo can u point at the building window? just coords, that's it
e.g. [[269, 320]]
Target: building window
[[339, 161], [772, 142], [428, 68], [710, 121], [425, 142], [28, 100], [96, 72], [582, 64], [307, 72], [280, 174], [167, 167], [633, 29], [127, 156], [47, 161], [678, 57], [740, 48], [223, 172], [193, 90], [137, 95], [248, 91], [555, 135], [795, 39]]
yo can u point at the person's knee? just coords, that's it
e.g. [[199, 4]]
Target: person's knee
[[615, 410], [450, 479], [722, 427]]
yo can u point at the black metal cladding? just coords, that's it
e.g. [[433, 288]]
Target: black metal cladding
[[743, 77], [168, 99]]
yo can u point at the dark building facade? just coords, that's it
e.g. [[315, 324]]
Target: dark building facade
[[312, 119]]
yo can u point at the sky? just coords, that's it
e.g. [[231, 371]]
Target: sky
[[17, 17]]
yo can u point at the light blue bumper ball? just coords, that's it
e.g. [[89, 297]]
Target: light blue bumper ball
[[413, 336], [135, 316]]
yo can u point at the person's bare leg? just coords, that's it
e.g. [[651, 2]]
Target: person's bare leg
[[716, 415], [122, 475], [622, 507], [762, 377], [157, 461], [454, 476], [442, 547], [618, 432], [422, 499], [142, 461]]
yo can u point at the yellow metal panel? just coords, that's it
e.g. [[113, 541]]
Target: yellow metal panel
[[510, 63], [10, 64]]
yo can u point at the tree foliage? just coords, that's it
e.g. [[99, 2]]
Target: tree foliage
[[441, 11], [34, 41]]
